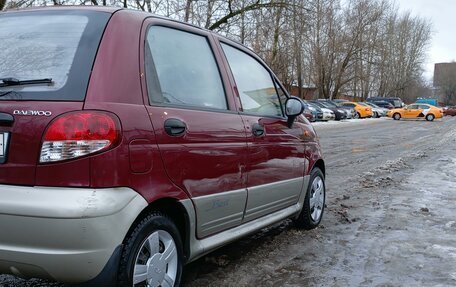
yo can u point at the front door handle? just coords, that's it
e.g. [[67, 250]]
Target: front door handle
[[175, 127], [257, 130]]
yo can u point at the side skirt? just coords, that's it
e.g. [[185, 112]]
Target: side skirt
[[201, 247]]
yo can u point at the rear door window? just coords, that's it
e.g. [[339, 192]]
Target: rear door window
[[181, 70], [57, 45]]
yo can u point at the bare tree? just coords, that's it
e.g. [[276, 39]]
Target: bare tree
[[358, 48]]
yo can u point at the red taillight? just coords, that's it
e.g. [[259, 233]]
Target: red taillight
[[77, 134], [367, 109]]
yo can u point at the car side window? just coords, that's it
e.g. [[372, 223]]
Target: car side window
[[181, 69], [413, 107], [424, 107], [349, 105], [254, 83]]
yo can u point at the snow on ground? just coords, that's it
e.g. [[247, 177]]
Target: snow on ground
[[350, 122]]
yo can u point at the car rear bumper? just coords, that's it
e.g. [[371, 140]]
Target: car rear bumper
[[63, 234]]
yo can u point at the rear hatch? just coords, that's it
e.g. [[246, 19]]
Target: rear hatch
[[46, 57]]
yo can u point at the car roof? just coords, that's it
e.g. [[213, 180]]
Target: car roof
[[107, 9]]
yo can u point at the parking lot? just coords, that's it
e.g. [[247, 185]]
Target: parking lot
[[389, 219]]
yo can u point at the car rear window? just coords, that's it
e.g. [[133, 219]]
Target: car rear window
[[60, 45]]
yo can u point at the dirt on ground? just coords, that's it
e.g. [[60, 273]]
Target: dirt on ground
[[389, 220]]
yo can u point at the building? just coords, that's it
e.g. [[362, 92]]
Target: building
[[445, 82]]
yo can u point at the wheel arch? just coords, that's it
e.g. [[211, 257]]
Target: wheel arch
[[175, 211], [321, 165]]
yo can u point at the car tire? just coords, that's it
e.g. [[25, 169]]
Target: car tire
[[314, 202], [397, 116], [430, 117], [156, 231], [357, 116], [375, 115]]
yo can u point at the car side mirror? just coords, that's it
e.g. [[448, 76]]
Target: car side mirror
[[293, 108]]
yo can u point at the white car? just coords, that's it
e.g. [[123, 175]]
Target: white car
[[328, 115], [377, 111]]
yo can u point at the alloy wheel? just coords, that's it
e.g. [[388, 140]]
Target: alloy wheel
[[317, 198], [156, 262]]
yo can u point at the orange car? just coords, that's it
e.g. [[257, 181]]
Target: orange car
[[362, 110], [416, 111]]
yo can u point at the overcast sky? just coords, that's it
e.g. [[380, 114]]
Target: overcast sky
[[442, 14]]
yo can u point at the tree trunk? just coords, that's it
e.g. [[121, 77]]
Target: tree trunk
[[188, 7]]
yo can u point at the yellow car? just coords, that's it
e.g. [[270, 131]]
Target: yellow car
[[362, 110], [416, 111]]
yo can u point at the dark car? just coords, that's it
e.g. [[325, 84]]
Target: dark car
[[395, 101], [383, 104], [350, 112], [131, 145], [338, 112], [317, 114]]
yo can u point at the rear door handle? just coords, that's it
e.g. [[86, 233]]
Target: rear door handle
[[257, 130], [175, 127]]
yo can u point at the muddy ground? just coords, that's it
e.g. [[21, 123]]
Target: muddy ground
[[390, 218]]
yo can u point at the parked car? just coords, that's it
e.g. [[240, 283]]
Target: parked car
[[349, 112], [362, 110], [327, 114], [416, 111], [450, 111], [340, 100], [339, 114], [377, 111], [309, 115], [131, 145], [316, 111], [395, 101], [383, 104]]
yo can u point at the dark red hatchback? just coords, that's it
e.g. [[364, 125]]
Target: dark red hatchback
[[132, 144]]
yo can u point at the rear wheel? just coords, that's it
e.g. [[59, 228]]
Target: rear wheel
[[430, 117], [314, 202], [397, 116], [152, 255]]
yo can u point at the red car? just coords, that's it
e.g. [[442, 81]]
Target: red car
[[449, 111], [131, 145]]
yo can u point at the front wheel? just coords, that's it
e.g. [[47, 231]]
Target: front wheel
[[397, 116], [430, 117], [357, 116], [314, 202], [152, 254]]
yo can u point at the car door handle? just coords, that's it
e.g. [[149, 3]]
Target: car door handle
[[175, 127], [257, 130]]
